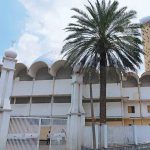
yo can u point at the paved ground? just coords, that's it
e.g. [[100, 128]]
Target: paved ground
[[56, 147], [60, 146]]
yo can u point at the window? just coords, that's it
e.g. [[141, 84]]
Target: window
[[148, 108], [22, 100], [131, 109]]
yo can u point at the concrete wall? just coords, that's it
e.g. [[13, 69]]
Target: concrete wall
[[40, 109], [63, 88], [113, 109], [20, 109], [24, 88], [131, 92], [137, 110], [113, 90], [117, 136], [145, 93]]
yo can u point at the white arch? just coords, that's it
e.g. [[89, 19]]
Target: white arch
[[56, 66], [133, 75], [147, 73], [37, 64], [19, 67]]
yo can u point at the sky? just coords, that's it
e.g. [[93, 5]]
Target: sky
[[35, 27]]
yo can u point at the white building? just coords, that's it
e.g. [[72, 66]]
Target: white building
[[44, 89], [44, 95]]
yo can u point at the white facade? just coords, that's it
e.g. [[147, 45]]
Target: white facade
[[46, 88]]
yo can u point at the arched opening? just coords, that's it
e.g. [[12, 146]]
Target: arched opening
[[61, 70], [145, 80], [23, 76], [112, 75], [94, 77], [40, 70], [42, 74], [64, 72], [21, 72], [130, 81]]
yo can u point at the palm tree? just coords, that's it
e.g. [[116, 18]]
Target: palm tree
[[106, 32]]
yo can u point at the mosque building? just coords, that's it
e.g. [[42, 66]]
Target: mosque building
[[44, 90]]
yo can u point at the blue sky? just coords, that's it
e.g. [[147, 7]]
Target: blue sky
[[12, 16], [36, 25]]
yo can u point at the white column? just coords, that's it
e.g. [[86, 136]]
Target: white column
[[103, 136], [76, 116], [135, 135], [6, 82]]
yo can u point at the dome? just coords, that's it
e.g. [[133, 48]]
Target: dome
[[10, 54]]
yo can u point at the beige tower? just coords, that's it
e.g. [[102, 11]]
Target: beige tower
[[146, 40]]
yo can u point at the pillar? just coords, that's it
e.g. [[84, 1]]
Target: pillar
[[76, 115], [103, 136], [135, 134], [6, 83]]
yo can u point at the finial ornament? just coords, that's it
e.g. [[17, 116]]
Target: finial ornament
[[10, 54]]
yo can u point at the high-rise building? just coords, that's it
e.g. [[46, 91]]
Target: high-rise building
[[146, 39]]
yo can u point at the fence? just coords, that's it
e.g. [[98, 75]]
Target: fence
[[27, 133], [23, 134], [115, 136], [58, 134]]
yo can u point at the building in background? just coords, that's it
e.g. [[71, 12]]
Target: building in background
[[146, 39]]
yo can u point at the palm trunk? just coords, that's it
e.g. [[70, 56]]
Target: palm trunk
[[92, 113], [103, 65]]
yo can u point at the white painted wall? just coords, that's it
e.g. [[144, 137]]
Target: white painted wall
[[87, 137], [87, 108], [95, 89], [131, 92], [20, 109], [63, 87], [145, 112], [145, 92], [40, 109], [137, 109], [143, 134], [60, 109], [113, 109], [120, 135], [42, 87], [113, 90], [22, 88]]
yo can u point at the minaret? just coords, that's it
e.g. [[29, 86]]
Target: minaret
[[146, 39], [6, 82]]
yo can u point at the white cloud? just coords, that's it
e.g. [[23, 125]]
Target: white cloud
[[43, 32]]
